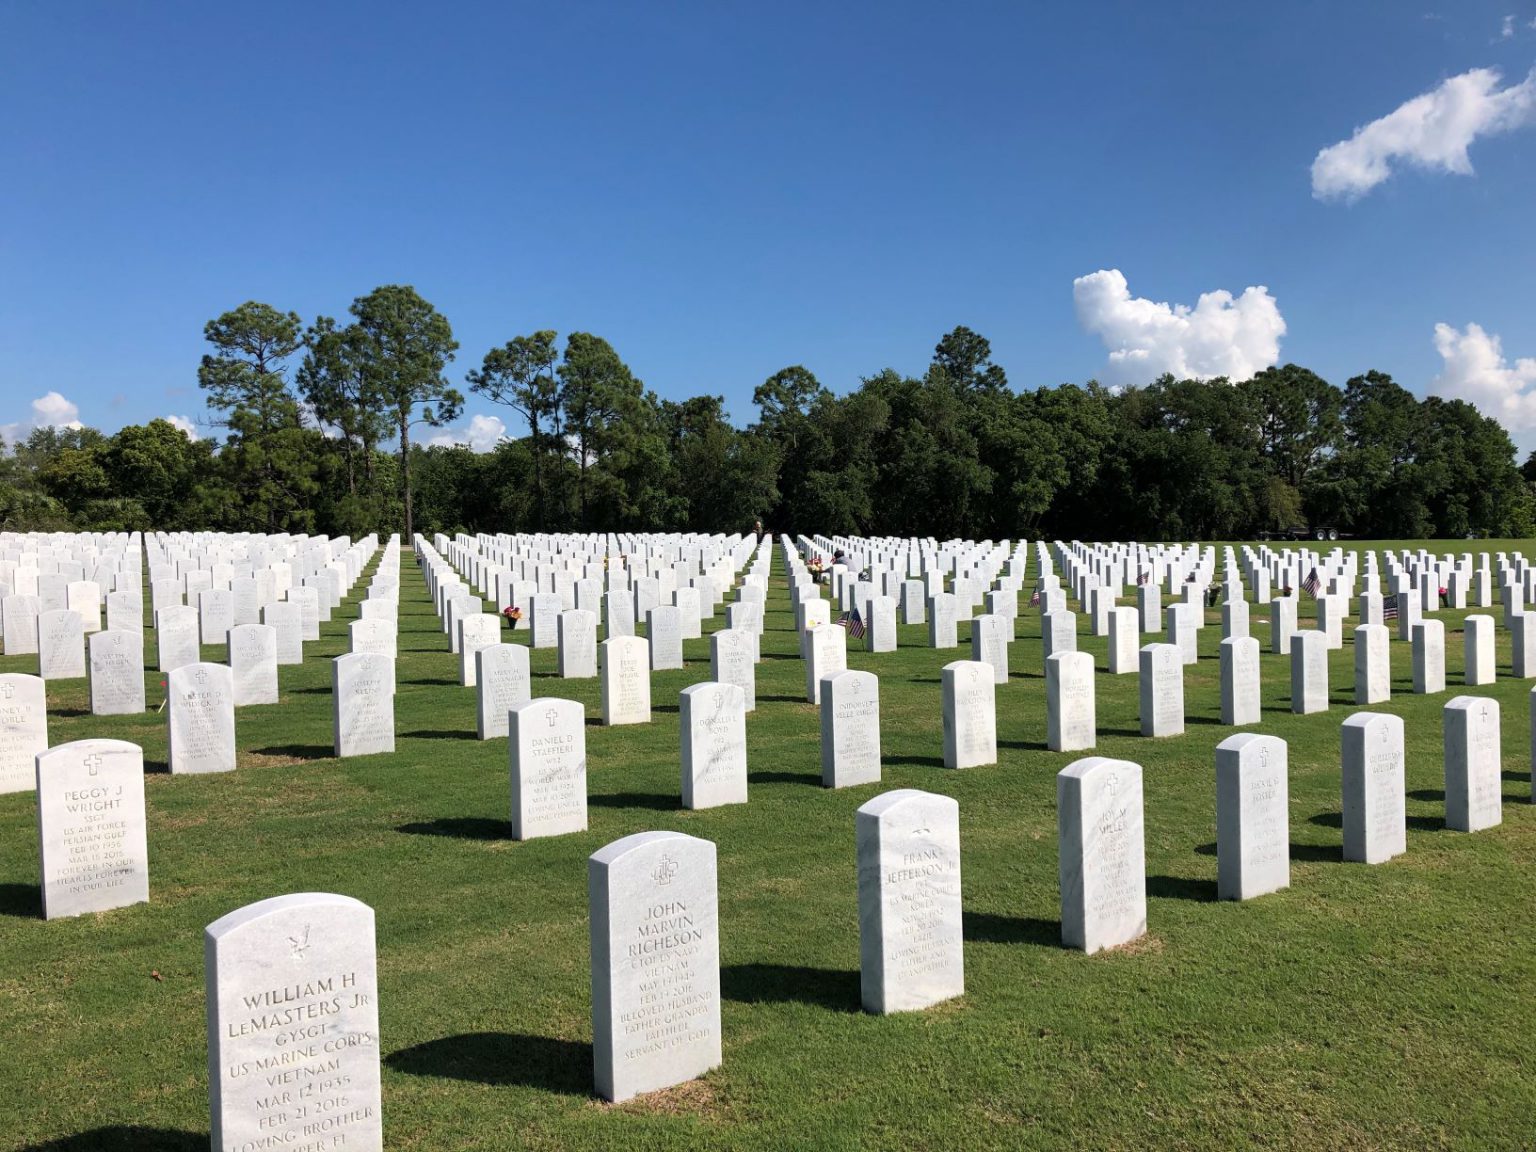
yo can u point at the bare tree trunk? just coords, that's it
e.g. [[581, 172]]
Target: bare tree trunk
[[405, 472]]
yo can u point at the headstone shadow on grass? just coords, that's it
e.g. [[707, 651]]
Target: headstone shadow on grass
[[653, 800], [990, 928], [501, 1059], [461, 828], [919, 761], [126, 1138], [789, 983], [24, 900], [1181, 888], [1317, 853], [771, 777], [298, 751]]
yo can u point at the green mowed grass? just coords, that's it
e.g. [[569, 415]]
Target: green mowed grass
[[1364, 1007]]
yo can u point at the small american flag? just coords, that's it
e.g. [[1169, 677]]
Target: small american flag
[[1311, 584], [1389, 608], [853, 622], [1034, 601], [1141, 576]]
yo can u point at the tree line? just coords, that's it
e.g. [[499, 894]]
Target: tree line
[[319, 434]]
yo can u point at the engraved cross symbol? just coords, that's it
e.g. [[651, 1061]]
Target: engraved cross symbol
[[551, 715], [1264, 756], [7, 691], [93, 763], [665, 869], [202, 676], [1484, 714]]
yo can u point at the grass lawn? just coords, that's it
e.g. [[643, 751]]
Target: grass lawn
[[1365, 1007]]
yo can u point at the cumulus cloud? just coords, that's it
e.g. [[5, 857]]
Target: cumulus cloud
[[48, 411], [1507, 29], [187, 428], [1221, 335], [481, 434], [1432, 131], [1475, 371]]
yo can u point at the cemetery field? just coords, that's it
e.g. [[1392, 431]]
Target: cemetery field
[[1384, 1007]]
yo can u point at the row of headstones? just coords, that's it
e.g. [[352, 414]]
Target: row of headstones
[[654, 922], [1416, 578], [52, 573], [1070, 704], [201, 698], [91, 821], [500, 672], [552, 626], [651, 573]]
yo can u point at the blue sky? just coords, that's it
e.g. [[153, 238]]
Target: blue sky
[[725, 189]]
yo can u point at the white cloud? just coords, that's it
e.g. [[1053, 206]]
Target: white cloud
[[481, 434], [1431, 131], [1220, 336], [188, 429], [1475, 371], [48, 411], [1507, 29]]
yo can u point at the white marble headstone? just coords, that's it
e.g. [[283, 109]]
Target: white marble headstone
[[23, 729], [201, 716], [713, 721], [1103, 873], [625, 675], [911, 944], [850, 729], [577, 657], [253, 662], [733, 660], [1474, 789], [363, 703], [654, 917], [1373, 664], [176, 637], [117, 673], [293, 1025], [501, 681], [970, 714], [547, 739], [1161, 690], [1070, 709], [1239, 657], [1373, 787], [1253, 835], [91, 827], [663, 630], [60, 645]]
